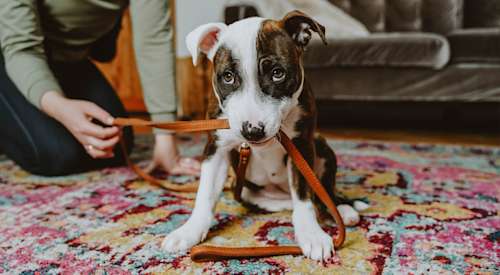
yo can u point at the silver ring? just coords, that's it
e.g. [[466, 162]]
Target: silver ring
[[244, 145]]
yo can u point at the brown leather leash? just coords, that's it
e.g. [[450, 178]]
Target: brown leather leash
[[204, 253], [241, 170], [177, 126]]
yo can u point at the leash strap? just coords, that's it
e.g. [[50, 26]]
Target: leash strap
[[204, 253], [177, 126], [240, 170]]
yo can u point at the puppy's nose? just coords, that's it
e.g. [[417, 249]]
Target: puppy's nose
[[253, 132]]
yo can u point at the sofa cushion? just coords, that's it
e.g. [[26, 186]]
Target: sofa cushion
[[443, 16], [455, 82], [440, 16], [369, 12], [482, 13], [475, 45], [381, 49], [404, 15]]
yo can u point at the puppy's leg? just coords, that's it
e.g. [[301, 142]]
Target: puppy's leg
[[313, 241], [326, 170], [213, 176]]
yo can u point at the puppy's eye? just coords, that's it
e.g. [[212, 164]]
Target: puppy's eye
[[278, 74], [228, 77]]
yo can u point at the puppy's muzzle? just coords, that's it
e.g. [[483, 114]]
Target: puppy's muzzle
[[253, 133]]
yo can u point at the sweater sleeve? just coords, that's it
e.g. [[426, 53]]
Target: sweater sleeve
[[21, 41], [152, 40]]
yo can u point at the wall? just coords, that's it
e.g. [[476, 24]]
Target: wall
[[192, 13]]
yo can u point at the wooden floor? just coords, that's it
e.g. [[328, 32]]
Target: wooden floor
[[414, 136]]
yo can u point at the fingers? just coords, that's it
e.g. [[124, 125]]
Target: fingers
[[104, 145], [98, 148], [96, 153], [98, 113], [97, 131]]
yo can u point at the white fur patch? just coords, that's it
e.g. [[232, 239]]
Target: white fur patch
[[248, 104], [266, 164], [360, 205], [195, 38], [313, 241], [263, 201], [348, 214], [213, 176]]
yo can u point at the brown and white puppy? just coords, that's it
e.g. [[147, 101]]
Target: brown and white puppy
[[260, 88]]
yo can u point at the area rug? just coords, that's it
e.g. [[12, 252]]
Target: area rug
[[434, 210]]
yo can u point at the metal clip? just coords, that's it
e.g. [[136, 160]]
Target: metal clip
[[244, 145]]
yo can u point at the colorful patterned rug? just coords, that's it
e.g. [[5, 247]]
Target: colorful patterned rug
[[434, 210]]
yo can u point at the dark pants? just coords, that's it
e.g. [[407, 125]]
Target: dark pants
[[42, 145]]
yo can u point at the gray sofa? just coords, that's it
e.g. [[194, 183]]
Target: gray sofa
[[428, 61]]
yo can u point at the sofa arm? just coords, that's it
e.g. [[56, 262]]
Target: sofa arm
[[481, 45]]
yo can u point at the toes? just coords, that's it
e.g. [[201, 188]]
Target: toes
[[349, 215], [360, 205], [182, 245], [327, 247], [306, 248], [170, 244], [321, 248], [317, 253], [188, 235], [328, 251], [316, 245], [180, 241]]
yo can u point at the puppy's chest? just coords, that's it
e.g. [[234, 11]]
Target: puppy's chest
[[267, 165]]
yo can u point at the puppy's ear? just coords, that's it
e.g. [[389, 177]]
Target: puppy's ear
[[204, 39], [299, 26]]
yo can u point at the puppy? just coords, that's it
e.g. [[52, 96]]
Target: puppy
[[260, 87]]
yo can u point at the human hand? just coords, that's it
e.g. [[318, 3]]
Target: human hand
[[77, 116], [166, 156]]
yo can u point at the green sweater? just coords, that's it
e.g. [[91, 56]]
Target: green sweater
[[29, 29]]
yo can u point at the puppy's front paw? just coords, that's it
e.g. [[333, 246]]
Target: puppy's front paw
[[314, 242], [184, 237]]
